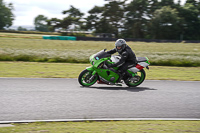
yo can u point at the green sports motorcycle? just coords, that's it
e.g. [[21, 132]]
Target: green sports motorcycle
[[100, 73]]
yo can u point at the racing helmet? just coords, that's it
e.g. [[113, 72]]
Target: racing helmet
[[120, 43]]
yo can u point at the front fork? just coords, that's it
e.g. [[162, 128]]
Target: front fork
[[91, 69]]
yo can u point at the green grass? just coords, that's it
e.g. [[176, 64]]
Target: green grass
[[40, 70], [105, 127], [39, 50], [17, 35], [72, 70], [26, 34]]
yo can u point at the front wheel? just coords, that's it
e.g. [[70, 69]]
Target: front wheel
[[86, 78], [137, 79]]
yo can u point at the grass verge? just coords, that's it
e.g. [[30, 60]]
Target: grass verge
[[72, 70], [39, 50], [105, 127]]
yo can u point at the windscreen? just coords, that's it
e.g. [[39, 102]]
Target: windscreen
[[101, 54]]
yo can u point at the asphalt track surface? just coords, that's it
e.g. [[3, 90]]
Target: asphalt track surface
[[26, 99]]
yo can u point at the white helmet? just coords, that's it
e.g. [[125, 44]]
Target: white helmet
[[120, 43]]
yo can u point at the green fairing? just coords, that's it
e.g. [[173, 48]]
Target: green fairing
[[147, 60], [97, 62], [133, 74], [105, 73], [108, 75], [90, 68]]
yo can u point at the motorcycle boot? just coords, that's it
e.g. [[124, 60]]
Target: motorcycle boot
[[120, 77], [127, 76]]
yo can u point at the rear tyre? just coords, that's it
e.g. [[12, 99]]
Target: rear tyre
[[85, 78], [139, 78]]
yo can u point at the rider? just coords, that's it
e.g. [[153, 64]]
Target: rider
[[128, 58]]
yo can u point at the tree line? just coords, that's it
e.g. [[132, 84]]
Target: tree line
[[148, 19]]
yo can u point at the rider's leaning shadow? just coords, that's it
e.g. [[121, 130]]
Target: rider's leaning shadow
[[131, 89]]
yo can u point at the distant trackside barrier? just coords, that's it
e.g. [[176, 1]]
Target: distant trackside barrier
[[60, 37]]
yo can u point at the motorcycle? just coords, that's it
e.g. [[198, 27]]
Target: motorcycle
[[100, 73]]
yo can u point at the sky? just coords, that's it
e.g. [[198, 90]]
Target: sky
[[25, 11]]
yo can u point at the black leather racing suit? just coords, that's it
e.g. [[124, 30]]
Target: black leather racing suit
[[128, 60]]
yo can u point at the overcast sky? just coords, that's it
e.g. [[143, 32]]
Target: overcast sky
[[25, 11]]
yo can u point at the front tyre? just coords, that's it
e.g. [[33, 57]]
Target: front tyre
[[86, 78], [137, 79]]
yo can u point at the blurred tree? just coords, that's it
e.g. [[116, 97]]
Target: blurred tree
[[191, 21], [73, 12], [40, 23], [193, 2], [94, 18], [54, 23], [136, 19], [21, 29], [152, 6], [6, 15], [73, 17], [107, 19], [164, 24], [113, 15], [170, 3]]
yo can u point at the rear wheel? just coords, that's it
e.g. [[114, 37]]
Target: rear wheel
[[86, 78], [137, 79]]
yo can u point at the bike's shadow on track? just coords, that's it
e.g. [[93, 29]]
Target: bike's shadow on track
[[131, 89]]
